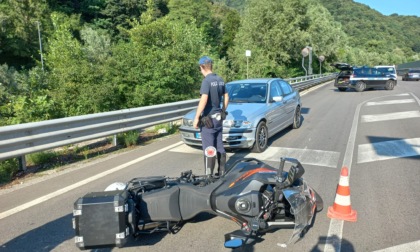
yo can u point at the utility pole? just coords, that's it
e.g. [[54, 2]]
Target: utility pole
[[321, 59], [307, 51], [40, 46]]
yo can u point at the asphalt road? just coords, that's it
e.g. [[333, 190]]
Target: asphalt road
[[376, 134]]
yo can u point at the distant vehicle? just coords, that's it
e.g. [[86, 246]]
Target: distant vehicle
[[362, 78], [258, 109], [412, 74]]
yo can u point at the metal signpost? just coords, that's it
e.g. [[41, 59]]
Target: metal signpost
[[247, 54]]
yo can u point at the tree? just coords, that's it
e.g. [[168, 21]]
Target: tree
[[226, 22], [118, 14], [152, 12], [276, 38], [162, 66], [19, 25], [79, 71]]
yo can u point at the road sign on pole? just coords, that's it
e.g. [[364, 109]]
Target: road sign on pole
[[247, 54]]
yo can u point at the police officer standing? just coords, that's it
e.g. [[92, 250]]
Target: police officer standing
[[209, 115]]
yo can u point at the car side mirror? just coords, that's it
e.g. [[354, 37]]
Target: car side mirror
[[278, 98]]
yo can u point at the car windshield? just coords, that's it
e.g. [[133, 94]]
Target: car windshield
[[247, 92]]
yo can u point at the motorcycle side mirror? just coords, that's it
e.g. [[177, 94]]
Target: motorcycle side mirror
[[281, 167], [234, 243], [295, 172]]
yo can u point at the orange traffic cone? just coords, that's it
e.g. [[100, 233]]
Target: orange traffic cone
[[342, 207]]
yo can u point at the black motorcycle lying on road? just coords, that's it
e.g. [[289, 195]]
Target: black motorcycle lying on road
[[255, 195]]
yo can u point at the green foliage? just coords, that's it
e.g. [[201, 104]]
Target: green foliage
[[24, 96], [7, 169], [276, 38], [374, 38], [8, 90], [152, 12], [79, 70], [128, 139], [19, 31], [40, 158], [226, 23], [163, 63]]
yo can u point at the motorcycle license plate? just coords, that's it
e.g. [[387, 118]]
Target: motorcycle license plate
[[198, 135]]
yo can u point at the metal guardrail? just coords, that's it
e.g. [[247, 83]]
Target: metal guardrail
[[19, 140], [304, 82]]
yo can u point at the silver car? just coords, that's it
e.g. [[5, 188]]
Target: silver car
[[258, 109], [412, 74]]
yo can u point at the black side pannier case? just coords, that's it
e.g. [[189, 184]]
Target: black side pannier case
[[100, 219]]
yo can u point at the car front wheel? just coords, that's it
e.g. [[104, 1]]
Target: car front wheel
[[389, 85], [261, 138], [360, 86], [297, 120]]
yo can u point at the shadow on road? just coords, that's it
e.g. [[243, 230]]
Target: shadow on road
[[43, 238]]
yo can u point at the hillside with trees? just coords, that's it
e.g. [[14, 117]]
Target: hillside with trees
[[61, 58]]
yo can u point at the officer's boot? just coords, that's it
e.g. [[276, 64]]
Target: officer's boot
[[221, 160], [209, 163]]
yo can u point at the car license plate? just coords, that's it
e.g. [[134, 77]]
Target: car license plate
[[198, 135]]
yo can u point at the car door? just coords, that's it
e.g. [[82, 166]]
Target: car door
[[276, 114], [380, 76], [289, 101]]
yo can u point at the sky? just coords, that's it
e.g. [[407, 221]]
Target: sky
[[388, 7]]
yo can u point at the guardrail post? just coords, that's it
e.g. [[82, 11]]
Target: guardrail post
[[114, 140], [22, 163]]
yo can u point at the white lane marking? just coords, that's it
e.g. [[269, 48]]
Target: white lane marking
[[407, 247], [390, 116], [390, 102], [335, 231], [80, 183], [388, 150], [305, 156]]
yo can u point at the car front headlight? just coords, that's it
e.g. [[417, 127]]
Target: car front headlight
[[187, 122], [237, 124]]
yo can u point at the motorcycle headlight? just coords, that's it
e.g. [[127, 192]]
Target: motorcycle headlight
[[187, 122], [237, 124]]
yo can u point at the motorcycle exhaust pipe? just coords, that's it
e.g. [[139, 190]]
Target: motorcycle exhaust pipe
[[281, 223], [150, 225]]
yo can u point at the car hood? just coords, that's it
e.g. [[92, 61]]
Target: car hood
[[342, 66], [240, 111]]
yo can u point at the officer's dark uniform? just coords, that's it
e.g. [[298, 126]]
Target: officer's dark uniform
[[214, 86]]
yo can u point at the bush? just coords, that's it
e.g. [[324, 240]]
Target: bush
[[129, 138], [40, 158], [7, 169]]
